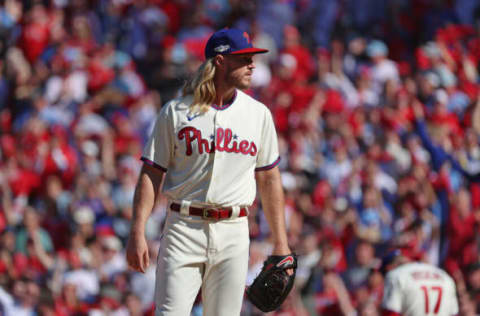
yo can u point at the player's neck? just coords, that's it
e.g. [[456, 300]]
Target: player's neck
[[224, 96]]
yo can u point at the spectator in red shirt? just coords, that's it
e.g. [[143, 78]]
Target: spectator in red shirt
[[462, 229], [293, 46], [35, 35]]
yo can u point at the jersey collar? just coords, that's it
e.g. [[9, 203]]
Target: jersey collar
[[223, 107]]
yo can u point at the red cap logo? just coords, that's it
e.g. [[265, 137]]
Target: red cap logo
[[247, 37]]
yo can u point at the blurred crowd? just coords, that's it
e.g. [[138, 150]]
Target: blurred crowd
[[377, 108]]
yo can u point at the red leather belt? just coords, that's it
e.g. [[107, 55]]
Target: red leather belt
[[210, 213]]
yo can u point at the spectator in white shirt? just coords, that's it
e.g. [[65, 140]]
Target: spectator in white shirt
[[383, 69]]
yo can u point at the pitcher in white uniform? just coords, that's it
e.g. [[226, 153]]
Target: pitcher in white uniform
[[417, 288], [212, 146]]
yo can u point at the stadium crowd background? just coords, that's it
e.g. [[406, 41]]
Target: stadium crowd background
[[377, 106]]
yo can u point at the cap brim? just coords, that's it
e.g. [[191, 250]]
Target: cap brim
[[251, 50]]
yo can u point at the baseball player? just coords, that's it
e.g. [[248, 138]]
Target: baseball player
[[416, 289], [212, 147]]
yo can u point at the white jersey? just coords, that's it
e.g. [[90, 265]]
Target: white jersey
[[211, 158], [420, 289]]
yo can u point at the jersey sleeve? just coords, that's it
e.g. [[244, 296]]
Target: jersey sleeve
[[392, 295], [159, 148], [268, 156]]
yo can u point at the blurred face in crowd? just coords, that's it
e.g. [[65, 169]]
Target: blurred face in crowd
[[108, 253], [237, 70], [70, 293], [86, 230], [31, 219], [364, 254], [80, 27], [425, 85], [134, 304], [8, 241], [323, 64], [286, 68], [372, 169], [371, 198], [330, 256], [77, 240], [402, 100], [393, 138], [54, 187], [57, 32], [121, 282], [361, 294], [19, 289], [340, 153], [46, 310], [291, 36], [33, 293], [406, 209], [368, 309], [357, 46], [328, 214], [375, 280], [26, 292], [474, 280], [304, 203], [38, 14], [310, 243], [440, 108], [463, 202], [411, 86], [472, 139], [391, 87], [363, 80], [412, 144], [420, 172]]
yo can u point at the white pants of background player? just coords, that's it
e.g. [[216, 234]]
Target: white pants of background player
[[197, 253]]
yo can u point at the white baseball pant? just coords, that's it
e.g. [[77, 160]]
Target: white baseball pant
[[197, 253]]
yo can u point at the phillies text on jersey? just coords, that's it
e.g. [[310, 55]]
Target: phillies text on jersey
[[224, 141]]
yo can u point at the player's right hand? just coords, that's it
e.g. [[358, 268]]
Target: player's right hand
[[137, 253]]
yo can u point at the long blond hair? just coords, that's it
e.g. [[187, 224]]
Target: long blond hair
[[202, 88]]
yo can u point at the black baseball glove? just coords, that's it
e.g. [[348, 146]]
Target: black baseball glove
[[271, 287]]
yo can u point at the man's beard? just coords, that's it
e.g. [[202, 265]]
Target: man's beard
[[238, 82], [241, 84]]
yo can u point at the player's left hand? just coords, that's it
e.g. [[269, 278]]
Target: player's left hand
[[272, 286], [282, 250]]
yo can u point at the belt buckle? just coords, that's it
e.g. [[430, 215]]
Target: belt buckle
[[207, 214]]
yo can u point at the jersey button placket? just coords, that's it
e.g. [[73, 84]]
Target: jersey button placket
[[216, 154], [212, 247]]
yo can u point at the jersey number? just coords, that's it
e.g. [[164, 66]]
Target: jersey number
[[427, 292]]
